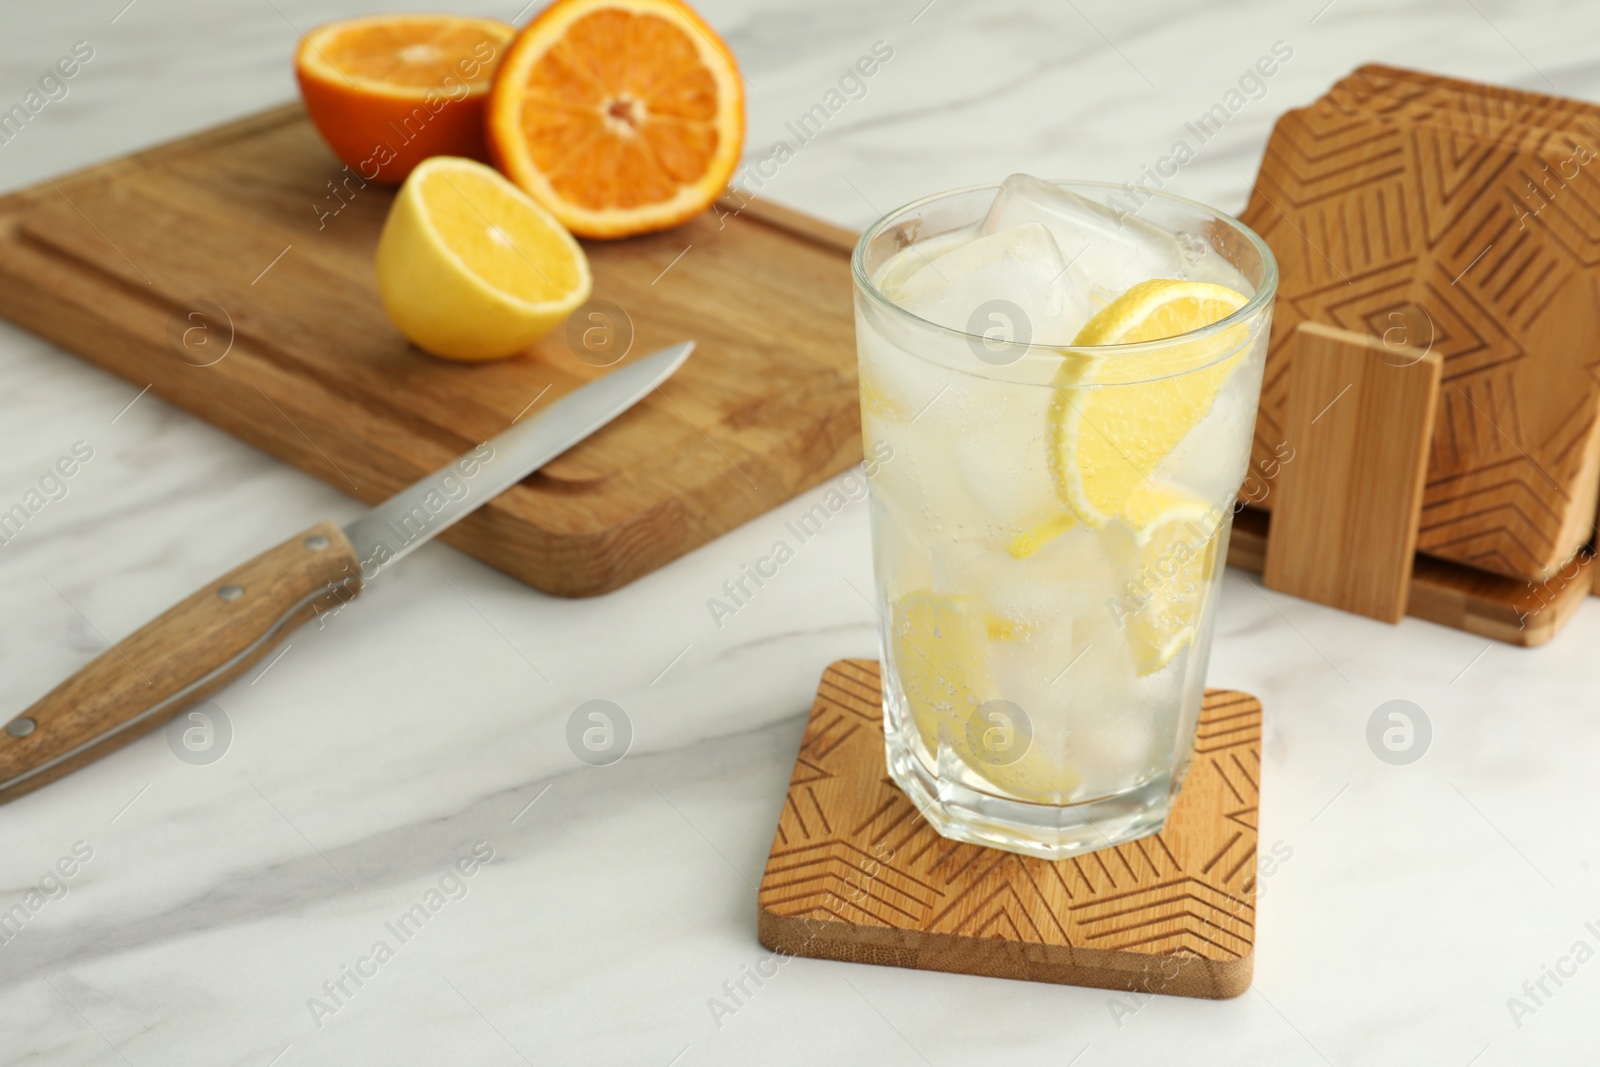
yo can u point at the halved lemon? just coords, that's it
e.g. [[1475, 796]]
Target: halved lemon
[[1116, 415], [470, 268], [620, 116]]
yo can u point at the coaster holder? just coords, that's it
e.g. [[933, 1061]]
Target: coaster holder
[[1361, 476]]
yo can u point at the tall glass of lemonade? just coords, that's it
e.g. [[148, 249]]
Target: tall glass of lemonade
[[1061, 389]]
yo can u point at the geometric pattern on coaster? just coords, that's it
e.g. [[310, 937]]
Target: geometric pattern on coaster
[[1438, 232], [856, 874]]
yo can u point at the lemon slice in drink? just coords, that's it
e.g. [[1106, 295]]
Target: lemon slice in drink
[[1035, 537], [877, 399], [470, 268], [942, 658], [1169, 542], [1115, 416]]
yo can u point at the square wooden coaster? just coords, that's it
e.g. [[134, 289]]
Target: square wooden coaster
[[855, 874]]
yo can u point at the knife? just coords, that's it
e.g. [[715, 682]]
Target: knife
[[203, 643]]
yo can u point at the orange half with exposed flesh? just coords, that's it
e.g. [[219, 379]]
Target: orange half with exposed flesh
[[619, 116], [388, 91]]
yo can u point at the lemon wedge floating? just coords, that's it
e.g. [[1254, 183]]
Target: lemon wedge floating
[[1116, 416], [1174, 551], [471, 268]]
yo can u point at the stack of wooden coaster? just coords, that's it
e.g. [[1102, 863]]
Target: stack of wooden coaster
[[1449, 235]]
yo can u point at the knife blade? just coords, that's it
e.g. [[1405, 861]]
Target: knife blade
[[205, 641]]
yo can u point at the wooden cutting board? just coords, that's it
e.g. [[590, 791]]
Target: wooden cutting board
[[252, 240], [1405, 212], [856, 874]]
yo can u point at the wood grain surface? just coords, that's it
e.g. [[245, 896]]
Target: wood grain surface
[[252, 244], [1436, 222], [1492, 111], [855, 874], [182, 656], [1464, 598], [1344, 524]]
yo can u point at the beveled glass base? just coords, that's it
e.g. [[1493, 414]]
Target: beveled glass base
[[1047, 831]]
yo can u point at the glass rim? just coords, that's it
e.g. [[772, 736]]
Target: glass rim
[[1264, 295]]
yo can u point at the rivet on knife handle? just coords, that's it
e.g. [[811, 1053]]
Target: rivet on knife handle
[[191, 650]]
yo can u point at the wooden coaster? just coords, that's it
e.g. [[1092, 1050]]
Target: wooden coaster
[[1470, 234], [1486, 110], [855, 874], [1344, 529]]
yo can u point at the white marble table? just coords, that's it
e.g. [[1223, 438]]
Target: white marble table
[[372, 757]]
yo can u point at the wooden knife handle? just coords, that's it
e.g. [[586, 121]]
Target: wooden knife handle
[[190, 651]]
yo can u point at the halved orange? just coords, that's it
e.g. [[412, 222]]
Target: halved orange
[[388, 91], [619, 116]]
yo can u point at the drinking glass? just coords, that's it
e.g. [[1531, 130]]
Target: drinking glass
[[1043, 674]]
